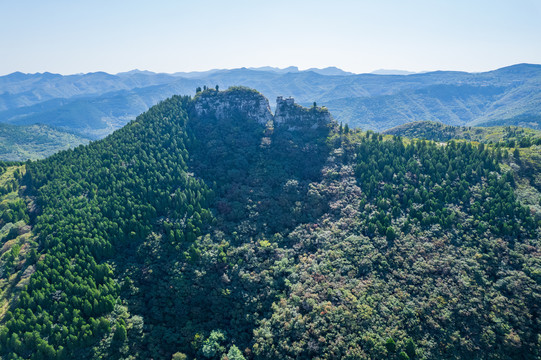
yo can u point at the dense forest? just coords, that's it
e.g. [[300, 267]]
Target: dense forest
[[210, 234]]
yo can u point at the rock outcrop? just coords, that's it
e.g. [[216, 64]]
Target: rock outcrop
[[253, 105], [296, 117], [236, 100]]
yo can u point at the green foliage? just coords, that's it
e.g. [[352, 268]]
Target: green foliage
[[212, 347], [179, 356], [20, 143], [410, 349], [107, 200], [436, 177], [390, 345], [403, 356], [503, 136], [390, 234], [120, 334], [299, 243], [235, 354]]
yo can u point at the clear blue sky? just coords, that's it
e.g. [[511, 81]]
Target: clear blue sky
[[75, 36]]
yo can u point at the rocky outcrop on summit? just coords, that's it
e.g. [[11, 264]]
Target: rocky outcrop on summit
[[295, 117], [236, 100], [251, 104]]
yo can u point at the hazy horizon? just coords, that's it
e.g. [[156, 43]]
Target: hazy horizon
[[373, 72], [356, 36]]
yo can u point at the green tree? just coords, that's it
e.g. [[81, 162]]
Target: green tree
[[120, 334], [235, 354], [516, 155], [179, 356], [213, 345], [390, 345], [403, 356], [390, 234], [410, 348]]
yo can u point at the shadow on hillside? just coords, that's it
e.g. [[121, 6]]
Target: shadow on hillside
[[260, 174]]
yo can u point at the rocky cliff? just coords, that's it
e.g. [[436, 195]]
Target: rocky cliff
[[253, 105], [236, 100], [295, 116]]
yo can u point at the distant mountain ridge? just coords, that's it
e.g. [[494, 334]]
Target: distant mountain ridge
[[392, 72], [95, 104]]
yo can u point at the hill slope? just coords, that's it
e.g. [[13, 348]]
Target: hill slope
[[510, 136], [209, 227], [20, 143]]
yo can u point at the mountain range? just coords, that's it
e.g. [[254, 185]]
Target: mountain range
[[95, 104]]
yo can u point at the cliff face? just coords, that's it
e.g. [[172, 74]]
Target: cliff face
[[225, 104], [294, 116], [252, 104]]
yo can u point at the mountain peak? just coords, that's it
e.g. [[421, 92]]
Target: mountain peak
[[519, 69], [330, 71], [289, 69]]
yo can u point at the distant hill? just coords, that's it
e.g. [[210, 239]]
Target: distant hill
[[447, 103], [510, 136], [95, 104], [20, 143], [391, 72]]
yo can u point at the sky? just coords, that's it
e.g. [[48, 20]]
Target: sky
[[360, 36]]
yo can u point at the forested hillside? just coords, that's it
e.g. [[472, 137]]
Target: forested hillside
[[209, 228], [20, 143], [525, 144], [505, 136]]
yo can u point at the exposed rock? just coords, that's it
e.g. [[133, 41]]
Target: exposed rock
[[253, 105], [235, 100], [296, 117]]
